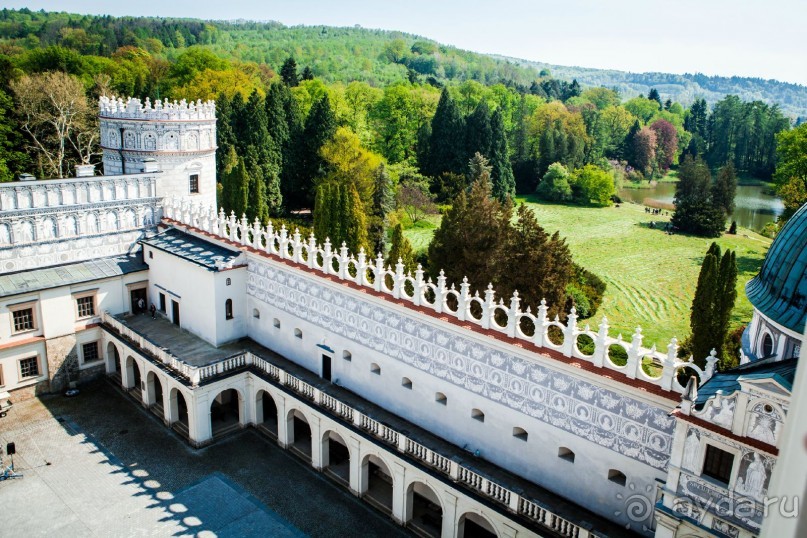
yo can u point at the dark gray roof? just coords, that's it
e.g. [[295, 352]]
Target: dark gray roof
[[779, 291], [191, 248], [783, 372], [73, 273]]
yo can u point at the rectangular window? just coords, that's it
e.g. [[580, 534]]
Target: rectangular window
[[29, 367], [717, 464], [23, 320], [194, 183], [86, 306], [90, 352]]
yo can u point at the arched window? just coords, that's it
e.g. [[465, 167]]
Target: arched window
[[276, 323], [440, 398], [520, 433], [406, 383], [298, 334], [376, 369], [228, 309], [256, 313], [617, 477], [566, 454], [347, 355], [767, 345], [476, 414]]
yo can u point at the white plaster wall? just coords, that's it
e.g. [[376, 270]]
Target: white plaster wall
[[232, 329], [188, 284], [585, 480], [9, 358]]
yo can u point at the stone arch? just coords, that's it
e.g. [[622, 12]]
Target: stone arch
[[171, 141], [111, 221], [336, 456], [423, 508], [133, 375], [148, 217], [376, 482], [113, 363], [154, 392], [226, 411], [763, 420], [49, 228], [129, 219], [93, 224], [266, 412], [298, 428], [473, 524], [149, 141], [129, 140], [27, 233], [5, 234], [192, 141], [178, 415], [70, 226], [112, 138]]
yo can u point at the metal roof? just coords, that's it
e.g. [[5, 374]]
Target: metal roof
[[779, 291], [192, 248], [73, 273], [783, 372]]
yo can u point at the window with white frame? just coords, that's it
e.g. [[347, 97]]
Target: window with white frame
[[85, 306], [29, 367], [89, 352], [23, 318]]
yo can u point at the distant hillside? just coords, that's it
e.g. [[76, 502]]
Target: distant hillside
[[791, 98], [378, 57]]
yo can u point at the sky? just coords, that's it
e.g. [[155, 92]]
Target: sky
[[754, 38]]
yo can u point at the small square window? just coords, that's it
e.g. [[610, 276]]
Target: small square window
[[717, 464], [29, 367], [23, 319], [89, 352], [86, 306], [194, 183]]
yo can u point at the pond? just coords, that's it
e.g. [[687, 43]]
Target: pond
[[754, 208]]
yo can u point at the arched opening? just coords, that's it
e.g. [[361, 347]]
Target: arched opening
[[178, 412], [154, 393], [133, 377], [424, 512], [336, 457], [266, 413], [767, 346], [472, 525], [617, 476], [228, 309], [566, 454], [256, 313], [299, 434], [113, 360], [477, 414], [225, 412], [376, 481], [520, 433]]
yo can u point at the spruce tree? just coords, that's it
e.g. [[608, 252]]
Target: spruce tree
[[288, 72], [653, 95], [501, 174], [320, 126], [725, 188], [446, 143], [701, 322], [225, 138], [479, 132], [401, 248], [355, 220], [383, 204], [695, 210], [726, 297], [236, 189]]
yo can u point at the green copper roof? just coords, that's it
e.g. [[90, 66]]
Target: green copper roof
[[783, 372], [779, 291]]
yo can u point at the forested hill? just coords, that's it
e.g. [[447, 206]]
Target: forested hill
[[791, 98], [378, 57]]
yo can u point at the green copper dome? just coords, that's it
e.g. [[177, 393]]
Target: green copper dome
[[779, 291]]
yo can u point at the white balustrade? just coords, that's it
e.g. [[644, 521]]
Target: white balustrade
[[340, 263]]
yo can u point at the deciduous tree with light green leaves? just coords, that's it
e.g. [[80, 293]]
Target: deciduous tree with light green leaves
[[791, 169]]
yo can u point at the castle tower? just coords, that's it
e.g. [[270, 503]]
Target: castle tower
[[176, 139]]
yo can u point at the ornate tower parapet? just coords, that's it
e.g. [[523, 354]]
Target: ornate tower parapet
[[177, 139]]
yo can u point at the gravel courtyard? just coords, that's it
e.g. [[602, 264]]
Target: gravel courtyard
[[98, 465]]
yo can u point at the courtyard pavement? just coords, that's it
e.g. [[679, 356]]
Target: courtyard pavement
[[98, 465]]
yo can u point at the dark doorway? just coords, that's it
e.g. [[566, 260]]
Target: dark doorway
[[136, 296], [175, 312], [162, 302], [326, 368]]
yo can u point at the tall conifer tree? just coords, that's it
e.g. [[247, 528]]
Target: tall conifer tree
[[446, 143], [501, 174]]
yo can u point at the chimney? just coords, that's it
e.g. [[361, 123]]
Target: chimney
[[85, 170], [150, 166]]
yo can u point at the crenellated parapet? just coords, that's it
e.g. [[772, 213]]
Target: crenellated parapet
[[484, 310], [133, 109]]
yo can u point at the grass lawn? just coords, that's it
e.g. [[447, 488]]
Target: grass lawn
[[651, 276]]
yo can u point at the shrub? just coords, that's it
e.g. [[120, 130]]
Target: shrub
[[733, 227]]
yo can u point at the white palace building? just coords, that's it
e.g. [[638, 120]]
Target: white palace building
[[449, 422]]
